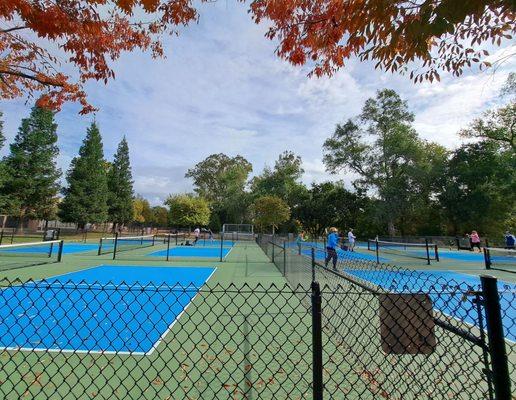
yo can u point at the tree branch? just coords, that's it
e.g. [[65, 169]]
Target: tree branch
[[31, 77], [16, 28]]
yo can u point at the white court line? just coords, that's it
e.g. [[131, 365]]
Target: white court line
[[162, 337], [114, 352]]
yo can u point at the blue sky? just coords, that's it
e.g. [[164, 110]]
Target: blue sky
[[222, 89]]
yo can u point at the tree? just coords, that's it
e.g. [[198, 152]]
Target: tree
[[443, 35], [479, 189], [270, 211], [31, 184], [85, 198], [391, 160], [282, 181], [160, 216], [329, 204], [497, 125], [142, 211], [120, 186], [3, 174], [222, 180], [188, 211], [37, 36]]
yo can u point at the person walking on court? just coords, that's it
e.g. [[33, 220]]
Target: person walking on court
[[351, 240], [510, 240], [197, 233], [331, 247], [299, 241], [475, 241]]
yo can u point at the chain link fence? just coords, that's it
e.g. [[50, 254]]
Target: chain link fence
[[407, 334], [362, 331]]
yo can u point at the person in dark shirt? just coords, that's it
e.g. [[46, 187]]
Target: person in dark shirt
[[510, 240], [331, 247]]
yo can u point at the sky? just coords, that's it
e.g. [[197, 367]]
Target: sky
[[221, 89]]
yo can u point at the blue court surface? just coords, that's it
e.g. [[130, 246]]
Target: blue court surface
[[102, 309], [68, 248], [211, 243], [341, 254], [446, 289], [191, 251]]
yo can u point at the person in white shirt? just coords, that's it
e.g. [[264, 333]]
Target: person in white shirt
[[197, 233], [351, 240]]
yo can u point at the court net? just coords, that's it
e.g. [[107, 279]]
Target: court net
[[424, 251], [113, 245], [20, 255], [500, 258]]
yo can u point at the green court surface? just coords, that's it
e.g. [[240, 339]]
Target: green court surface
[[246, 335]]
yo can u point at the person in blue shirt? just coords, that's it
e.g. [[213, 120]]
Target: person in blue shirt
[[299, 241], [331, 247], [510, 240]]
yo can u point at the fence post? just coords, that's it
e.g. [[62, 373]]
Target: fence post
[[272, 249], [1, 236], [377, 251], [497, 351], [317, 341]]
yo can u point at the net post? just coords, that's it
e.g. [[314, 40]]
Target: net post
[[317, 346], [168, 246], [495, 334], [313, 264], [153, 240], [100, 247], [221, 245], [427, 252], [487, 258], [368, 244], [51, 250], [377, 251], [436, 249], [1, 236], [284, 258], [176, 239], [60, 252], [115, 246]]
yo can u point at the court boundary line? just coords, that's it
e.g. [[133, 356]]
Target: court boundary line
[[162, 337], [114, 352]]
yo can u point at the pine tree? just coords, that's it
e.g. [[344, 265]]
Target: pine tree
[[85, 198], [120, 185], [31, 181]]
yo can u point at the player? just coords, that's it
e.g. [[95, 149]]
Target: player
[[475, 241], [197, 234], [331, 247], [351, 240], [510, 240]]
